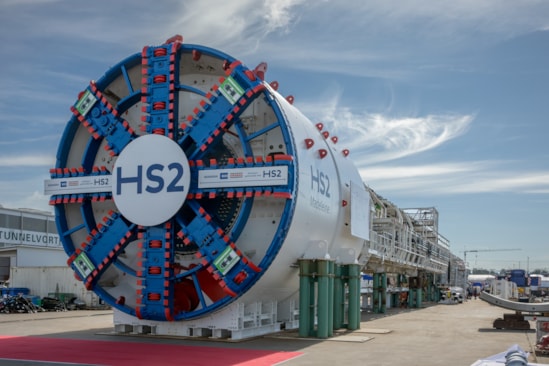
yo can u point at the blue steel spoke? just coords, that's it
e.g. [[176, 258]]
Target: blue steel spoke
[[101, 248], [219, 110], [102, 120], [156, 272]]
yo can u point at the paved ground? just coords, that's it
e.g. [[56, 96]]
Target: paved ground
[[450, 335]]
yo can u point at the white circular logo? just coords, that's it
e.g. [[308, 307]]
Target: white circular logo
[[150, 180]]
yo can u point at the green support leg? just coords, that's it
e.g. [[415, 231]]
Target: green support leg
[[304, 299], [354, 297], [313, 290], [339, 297], [376, 301], [431, 288], [412, 294], [331, 275], [323, 307], [395, 298], [380, 292], [415, 297]]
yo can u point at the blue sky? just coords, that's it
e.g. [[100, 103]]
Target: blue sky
[[442, 103]]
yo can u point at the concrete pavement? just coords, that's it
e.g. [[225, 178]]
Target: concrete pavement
[[450, 335]]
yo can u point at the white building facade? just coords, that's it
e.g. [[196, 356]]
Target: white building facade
[[28, 238], [32, 256]]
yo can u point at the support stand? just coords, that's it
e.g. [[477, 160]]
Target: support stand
[[380, 292], [415, 293], [323, 289]]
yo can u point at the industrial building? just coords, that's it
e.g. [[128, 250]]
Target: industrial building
[[28, 238], [32, 256]]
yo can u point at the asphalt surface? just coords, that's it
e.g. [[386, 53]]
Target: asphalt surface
[[450, 335]]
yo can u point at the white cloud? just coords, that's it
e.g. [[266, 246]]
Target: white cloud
[[24, 189], [280, 14], [33, 139], [380, 144], [363, 38], [374, 138], [370, 38], [448, 17], [382, 138], [8, 3], [282, 30], [27, 161], [35, 200], [455, 178], [237, 28], [420, 171], [506, 181]]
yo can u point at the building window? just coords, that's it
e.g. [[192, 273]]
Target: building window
[[10, 221], [33, 224], [52, 227]]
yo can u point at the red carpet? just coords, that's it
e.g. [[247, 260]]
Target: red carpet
[[133, 353]]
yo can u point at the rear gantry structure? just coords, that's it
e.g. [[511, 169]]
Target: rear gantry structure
[[406, 244], [405, 240]]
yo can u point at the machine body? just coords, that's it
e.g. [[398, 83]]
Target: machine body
[[186, 184]]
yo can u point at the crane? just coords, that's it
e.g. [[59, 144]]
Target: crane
[[484, 250]]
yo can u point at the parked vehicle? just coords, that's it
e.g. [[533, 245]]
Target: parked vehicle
[[53, 304], [453, 295], [17, 304]]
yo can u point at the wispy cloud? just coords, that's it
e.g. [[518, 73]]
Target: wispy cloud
[[280, 14], [506, 181], [375, 137], [282, 30], [359, 38], [421, 171], [29, 140], [455, 178], [35, 200], [379, 138], [382, 145], [8, 3], [25, 192], [236, 27], [27, 161]]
